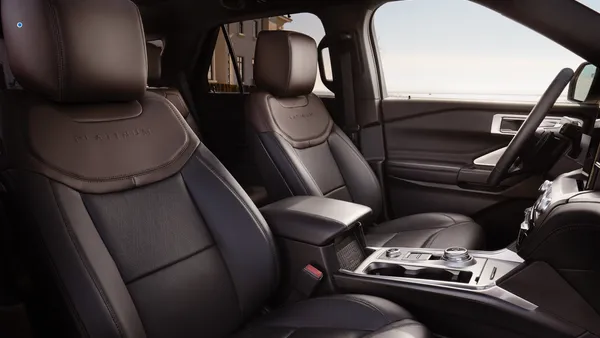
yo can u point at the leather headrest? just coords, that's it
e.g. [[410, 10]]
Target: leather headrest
[[285, 63], [76, 51], [154, 64]]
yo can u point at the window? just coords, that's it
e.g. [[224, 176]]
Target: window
[[210, 73], [240, 64], [591, 4], [455, 49], [256, 29], [240, 28], [224, 79]]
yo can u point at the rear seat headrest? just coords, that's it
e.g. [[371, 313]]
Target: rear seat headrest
[[154, 64], [76, 51], [285, 63]]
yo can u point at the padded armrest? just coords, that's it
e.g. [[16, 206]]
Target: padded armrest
[[313, 220]]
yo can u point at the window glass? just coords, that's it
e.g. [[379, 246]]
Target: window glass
[[592, 4], [223, 73], [456, 49], [255, 29], [240, 64]]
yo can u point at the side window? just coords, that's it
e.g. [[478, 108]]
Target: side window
[[222, 76], [456, 49]]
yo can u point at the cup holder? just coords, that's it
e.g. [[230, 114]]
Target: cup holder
[[395, 270]]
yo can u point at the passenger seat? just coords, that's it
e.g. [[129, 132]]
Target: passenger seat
[[257, 193], [302, 152]]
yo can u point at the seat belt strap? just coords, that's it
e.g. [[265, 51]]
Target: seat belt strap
[[186, 93], [351, 126]]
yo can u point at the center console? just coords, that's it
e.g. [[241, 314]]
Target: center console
[[454, 268], [544, 287]]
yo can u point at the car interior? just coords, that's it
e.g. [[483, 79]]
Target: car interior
[[180, 168]]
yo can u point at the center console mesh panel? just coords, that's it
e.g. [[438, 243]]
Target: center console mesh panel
[[349, 253]]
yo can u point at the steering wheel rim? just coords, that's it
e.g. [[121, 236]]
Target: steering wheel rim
[[530, 125]]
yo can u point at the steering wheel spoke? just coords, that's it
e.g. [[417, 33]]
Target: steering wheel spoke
[[517, 145]]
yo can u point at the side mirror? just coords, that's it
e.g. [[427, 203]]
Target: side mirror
[[585, 86]]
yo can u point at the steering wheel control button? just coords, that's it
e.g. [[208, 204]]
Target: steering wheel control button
[[457, 256], [393, 253], [545, 186]]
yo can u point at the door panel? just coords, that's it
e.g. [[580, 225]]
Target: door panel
[[431, 146]]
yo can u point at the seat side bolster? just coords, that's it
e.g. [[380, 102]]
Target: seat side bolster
[[85, 271]]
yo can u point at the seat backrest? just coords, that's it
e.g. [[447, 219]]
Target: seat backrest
[[299, 150], [142, 228], [256, 192], [154, 54]]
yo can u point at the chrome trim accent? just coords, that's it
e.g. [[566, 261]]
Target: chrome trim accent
[[490, 159], [493, 263], [549, 122], [458, 257]]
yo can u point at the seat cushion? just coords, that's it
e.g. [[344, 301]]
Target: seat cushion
[[430, 230], [337, 316]]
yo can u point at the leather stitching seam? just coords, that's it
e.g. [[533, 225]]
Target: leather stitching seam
[[59, 47], [130, 176], [311, 142], [309, 173], [368, 305], [260, 225], [168, 265], [361, 160], [275, 166], [86, 264], [432, 239], [298, 177]]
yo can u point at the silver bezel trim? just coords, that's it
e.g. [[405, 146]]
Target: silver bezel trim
[[481, 259]]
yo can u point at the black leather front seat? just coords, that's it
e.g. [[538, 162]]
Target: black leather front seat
[[144, 231], [300, 151]]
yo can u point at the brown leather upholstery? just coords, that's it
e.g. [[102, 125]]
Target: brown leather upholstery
[[98, 148], [94, 148], [300, 151], [188, 255], [285, 63], [55, 55], [302, 121]]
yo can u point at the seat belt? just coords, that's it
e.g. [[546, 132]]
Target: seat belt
[[186, 93], [351, 126]]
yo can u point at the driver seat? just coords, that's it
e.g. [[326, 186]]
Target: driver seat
[[300, 151]]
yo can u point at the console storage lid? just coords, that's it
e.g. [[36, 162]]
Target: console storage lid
[[313, 220]]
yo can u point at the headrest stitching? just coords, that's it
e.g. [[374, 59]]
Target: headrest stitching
[[289, 68], [59, 47]]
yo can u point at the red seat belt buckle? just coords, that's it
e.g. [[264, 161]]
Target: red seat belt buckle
[[307, 282], [313, 272]]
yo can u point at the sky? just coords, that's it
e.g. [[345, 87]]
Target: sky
[[458, 48]]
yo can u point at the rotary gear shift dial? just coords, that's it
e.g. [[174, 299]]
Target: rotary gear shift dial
[[458, 256]]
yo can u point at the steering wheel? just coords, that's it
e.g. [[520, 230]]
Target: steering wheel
[[530, 125]]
